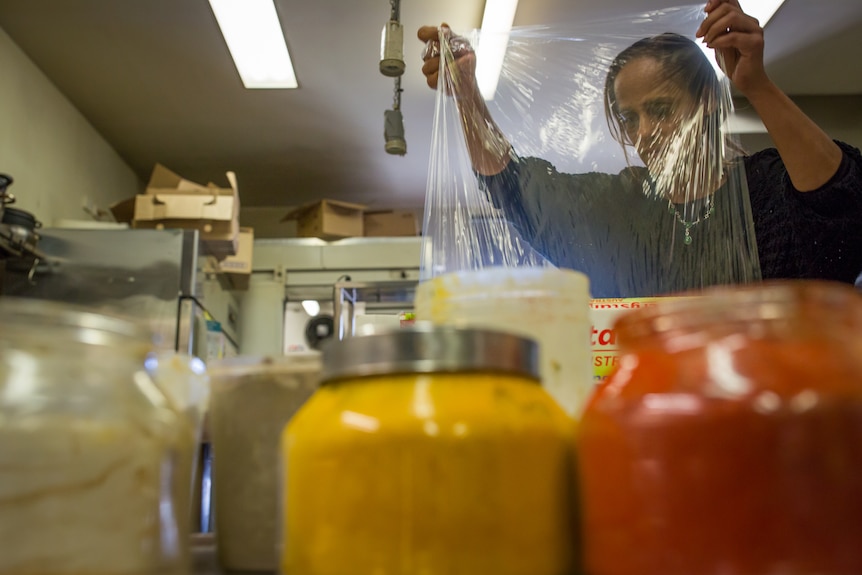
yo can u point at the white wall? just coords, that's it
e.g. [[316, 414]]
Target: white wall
[[262, 310], [56, 157], [838, 116]]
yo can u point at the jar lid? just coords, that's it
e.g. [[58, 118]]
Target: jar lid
[[231, 371], [508, 284], [424, 348]]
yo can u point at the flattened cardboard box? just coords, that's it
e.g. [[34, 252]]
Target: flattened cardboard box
[[390, 223], [328, 220], [171, 201], [234, 272]]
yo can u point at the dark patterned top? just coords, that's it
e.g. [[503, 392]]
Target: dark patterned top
[[631, 243]]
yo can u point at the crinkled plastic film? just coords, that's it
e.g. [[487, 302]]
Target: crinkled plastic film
[[612, 137]]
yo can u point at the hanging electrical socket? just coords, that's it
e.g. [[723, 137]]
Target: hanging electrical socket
[[393, 131], [392, 49]]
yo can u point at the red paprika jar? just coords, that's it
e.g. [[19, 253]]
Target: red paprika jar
[[729, 441]]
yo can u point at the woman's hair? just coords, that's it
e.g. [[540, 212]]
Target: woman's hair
[[683, 63]]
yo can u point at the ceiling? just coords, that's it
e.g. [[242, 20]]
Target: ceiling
[[154, 77]]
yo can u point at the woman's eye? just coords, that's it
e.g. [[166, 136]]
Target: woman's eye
[[628, 121], [663, 112]]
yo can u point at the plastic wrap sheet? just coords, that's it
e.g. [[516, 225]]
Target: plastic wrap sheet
[[612, 137]]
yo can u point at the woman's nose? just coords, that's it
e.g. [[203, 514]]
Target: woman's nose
[[646, 130]]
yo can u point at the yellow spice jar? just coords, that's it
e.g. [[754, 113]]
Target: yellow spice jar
[[429, 451]]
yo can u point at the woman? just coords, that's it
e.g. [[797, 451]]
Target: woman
[[661, 228]]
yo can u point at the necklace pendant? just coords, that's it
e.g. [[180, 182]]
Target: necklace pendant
[[687, 239]]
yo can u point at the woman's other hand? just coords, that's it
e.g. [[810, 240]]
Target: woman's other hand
[[809, 154], [738, 37]]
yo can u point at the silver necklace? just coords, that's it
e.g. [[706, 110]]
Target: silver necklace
[[687, 224]]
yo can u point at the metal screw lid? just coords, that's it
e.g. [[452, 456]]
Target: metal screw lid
[[430, 349]]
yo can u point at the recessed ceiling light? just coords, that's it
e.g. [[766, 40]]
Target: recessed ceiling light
[[493, 39], [253, 35]]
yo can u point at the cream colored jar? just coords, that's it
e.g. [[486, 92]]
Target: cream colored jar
[[550, 306]]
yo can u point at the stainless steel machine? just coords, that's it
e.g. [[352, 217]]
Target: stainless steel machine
[[153, 275], [19, 235]]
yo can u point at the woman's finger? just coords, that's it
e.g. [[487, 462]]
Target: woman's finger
[[431, 66], [722, 22], [744, 43], [713, 17], [730, 23], [427, 33], [713, 4]]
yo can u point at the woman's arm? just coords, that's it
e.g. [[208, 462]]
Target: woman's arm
[[490, 151], [810, 156]]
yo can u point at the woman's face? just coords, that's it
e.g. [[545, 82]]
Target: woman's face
[[652, 109]]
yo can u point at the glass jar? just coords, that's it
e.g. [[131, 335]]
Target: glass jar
[[729, 441], [548, 305], [95, 461], [184, 380], [429, 451], [253, 398]]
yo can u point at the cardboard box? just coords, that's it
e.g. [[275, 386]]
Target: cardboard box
[[124, 211], [171, 201], [235, 271], [328, 220], [390, 223]]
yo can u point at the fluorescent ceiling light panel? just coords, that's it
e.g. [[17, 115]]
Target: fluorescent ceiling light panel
[[763, 10], [493, 40], [253, 35]]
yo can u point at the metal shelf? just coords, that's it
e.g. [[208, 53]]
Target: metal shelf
[[377, 296]]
